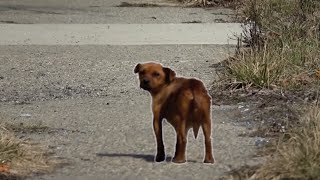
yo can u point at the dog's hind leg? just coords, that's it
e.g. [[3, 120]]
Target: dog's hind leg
[[181, 143], [206, 128], [207, 139]]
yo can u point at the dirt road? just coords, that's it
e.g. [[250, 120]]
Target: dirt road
[[97, 116]]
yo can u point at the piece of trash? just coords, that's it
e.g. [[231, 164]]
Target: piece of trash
[[5, 167], [25, 115], [318, 73], [246, 110], [260, 142]]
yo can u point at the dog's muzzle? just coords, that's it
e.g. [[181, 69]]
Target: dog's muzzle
[[145, 84]]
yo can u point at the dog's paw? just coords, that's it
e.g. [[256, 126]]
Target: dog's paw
[[160, 157], [209, 161], [177, 160]]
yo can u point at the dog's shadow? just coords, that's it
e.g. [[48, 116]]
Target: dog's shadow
[[146, 157]]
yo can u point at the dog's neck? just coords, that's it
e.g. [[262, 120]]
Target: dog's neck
[[159, 91]]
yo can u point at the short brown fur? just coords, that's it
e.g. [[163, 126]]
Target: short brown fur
[[185, 104]]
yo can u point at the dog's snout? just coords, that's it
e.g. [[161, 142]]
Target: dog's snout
[[145, 84], [145, 81]]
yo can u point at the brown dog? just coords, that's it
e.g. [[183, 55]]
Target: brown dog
[[185, 104]]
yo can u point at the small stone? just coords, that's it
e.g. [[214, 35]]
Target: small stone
[[260, 142], [25, 115]]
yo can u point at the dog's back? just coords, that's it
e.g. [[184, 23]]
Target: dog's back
[[189, 97]]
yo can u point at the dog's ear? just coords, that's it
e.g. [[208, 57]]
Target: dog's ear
[[170, 74], [137, 68]]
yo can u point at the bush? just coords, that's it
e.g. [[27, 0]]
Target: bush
[[284, 44]]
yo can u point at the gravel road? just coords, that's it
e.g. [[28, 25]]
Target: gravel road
[[89, 97]]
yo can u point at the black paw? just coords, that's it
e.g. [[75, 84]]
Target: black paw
[[160, 157]]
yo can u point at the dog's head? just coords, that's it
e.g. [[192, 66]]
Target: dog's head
[[154, 76]]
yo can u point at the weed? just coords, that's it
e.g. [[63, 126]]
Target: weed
[[299, 156], [279, 51], [284, 45], [24, 157]]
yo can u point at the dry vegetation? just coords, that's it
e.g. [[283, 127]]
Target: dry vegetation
[[20, 158], [234, 4], [298, 152], [284, 46], [296, 155], [209, 3], [278, 56]]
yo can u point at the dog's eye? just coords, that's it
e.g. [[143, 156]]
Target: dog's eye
[[156, 74]]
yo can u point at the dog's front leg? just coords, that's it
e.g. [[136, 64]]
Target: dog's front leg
[[157, 127]]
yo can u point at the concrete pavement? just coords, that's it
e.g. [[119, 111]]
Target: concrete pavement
[[100, 119], [118, 34], [103, 12]]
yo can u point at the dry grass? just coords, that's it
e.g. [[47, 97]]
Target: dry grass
[[234, 4], [279, 52], [284, 46], [195, 2], [296, 154], [261, 70], [298, 157], [24, 157], [209, 3]]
